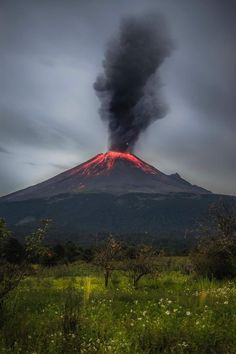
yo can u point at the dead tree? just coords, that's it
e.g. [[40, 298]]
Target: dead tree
[[144, 263]]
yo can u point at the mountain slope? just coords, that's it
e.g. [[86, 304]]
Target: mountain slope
[[136, 217], [111, 172]]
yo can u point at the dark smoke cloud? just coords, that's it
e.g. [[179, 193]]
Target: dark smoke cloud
[[129, 87]]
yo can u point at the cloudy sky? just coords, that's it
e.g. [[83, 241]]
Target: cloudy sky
[[50, 54]]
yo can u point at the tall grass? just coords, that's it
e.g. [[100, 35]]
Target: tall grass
[[73, 313]]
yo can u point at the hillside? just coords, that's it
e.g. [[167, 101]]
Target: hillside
[[136, 216]]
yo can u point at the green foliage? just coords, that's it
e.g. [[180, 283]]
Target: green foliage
[[72, 252], [14, 252], [144, 261], [72, 310], [216, 257], [67, 309], [88, 255], [106, 256], [215, 254], [4, 231], [10, 274], [175, 313], [35, 247], [5, 234]]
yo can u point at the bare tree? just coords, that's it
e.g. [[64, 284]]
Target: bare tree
[[145, 262], [106, 257]]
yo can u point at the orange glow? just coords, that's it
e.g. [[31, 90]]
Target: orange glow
[[102, 164]]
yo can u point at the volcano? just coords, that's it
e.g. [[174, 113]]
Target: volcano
[[113, 192], [111, 172]]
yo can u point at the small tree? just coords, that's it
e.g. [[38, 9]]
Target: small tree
[[106, 256], [88, 255], [14, 252], [72, 252], [145, 262], [10, 274], [35, 247], [215, 253], [223, 219], [5, 235]]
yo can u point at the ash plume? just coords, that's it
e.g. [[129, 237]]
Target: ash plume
[[129, 88]]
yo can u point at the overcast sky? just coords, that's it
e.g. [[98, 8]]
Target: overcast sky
[[50, 54]]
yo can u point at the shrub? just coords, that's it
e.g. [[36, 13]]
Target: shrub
[[215, 254]]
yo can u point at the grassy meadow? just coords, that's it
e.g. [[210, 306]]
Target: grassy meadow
[[67, 309]]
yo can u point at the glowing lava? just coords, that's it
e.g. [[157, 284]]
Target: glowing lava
[[104, 163], [112, 172]]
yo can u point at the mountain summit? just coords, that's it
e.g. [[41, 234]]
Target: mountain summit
[[111, 172]]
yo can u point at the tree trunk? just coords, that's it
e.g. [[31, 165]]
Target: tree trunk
[[106, 277]]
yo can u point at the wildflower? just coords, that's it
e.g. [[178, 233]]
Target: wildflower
[[167, 312], [184, 344], [188, 313]]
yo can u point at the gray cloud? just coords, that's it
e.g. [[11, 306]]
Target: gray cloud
[[51, 53], [3, 150], [26, 130]]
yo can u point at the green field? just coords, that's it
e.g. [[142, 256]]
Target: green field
[[66, 309]]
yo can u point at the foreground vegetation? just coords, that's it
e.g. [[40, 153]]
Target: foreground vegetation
[[67, 309], [118, 298]]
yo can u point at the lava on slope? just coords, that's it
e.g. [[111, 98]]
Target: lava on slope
[[103, 164], [111, 172]]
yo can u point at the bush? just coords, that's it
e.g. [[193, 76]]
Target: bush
[[215, 258], [215, 254]]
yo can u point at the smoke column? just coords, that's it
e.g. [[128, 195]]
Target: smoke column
[[129, 88]]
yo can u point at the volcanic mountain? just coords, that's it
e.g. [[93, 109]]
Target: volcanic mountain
[[110, 172], [114, 193]]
